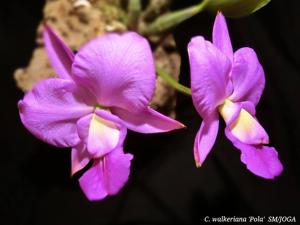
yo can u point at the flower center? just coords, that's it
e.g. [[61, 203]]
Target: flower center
[[242, 124], [227, 110], [103, 136], [98, 106]]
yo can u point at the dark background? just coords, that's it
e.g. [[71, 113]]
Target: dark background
[[164, 186]]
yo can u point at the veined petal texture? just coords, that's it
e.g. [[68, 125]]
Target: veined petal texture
[[147, 121], [209, 75], [107, 175], [118, 69], [221, 38], [50, 111], [247, 76]]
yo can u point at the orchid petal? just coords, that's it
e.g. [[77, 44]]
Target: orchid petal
[[209, 75], [79, 158], [221, 38], [205, 138], [147, 121], [261, 160], [242, 124], [50, 112], [60, 55], [119, 69], [249, 107], [247, 76], [107, 176], [100, 135]]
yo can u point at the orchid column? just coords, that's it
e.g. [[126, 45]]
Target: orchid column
[[100, 92]]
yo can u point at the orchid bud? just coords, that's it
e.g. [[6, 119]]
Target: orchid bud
[[236, 8]]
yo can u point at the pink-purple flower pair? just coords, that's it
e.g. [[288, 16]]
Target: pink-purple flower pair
[[100, 92], [230, 84], [106, 88]]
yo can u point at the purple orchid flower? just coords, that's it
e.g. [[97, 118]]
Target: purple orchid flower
[[230, 84], [100, 92]]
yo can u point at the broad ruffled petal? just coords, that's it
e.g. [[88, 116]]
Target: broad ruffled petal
[[107, 176], [50, 112], [60, 55], [101, 135], [209, 75], [147, 121], [247, 76], [205, 138], [221, 38], [261, 160], [242, 124], [119, 69], [79, 158]]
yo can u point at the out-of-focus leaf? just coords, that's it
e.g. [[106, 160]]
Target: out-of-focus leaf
[[236, 8]]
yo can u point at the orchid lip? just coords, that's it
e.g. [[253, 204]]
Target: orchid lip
[[100, 128]]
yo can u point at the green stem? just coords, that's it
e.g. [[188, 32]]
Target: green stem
[[172, 19], [134, 11], [172, 82]]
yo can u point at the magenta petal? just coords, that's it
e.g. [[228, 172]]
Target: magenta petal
[[147, 121], [50, 112], [261, 160], [101, 133], [221, 38], [249, 107], [118, 69], [107, 176], [83, 125], [209, 75], [205, 138], [60, 55], [79, 158], [247, 76]]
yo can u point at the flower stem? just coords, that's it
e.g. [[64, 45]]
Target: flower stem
[[134, 10], [172, 82], [172, 19]]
